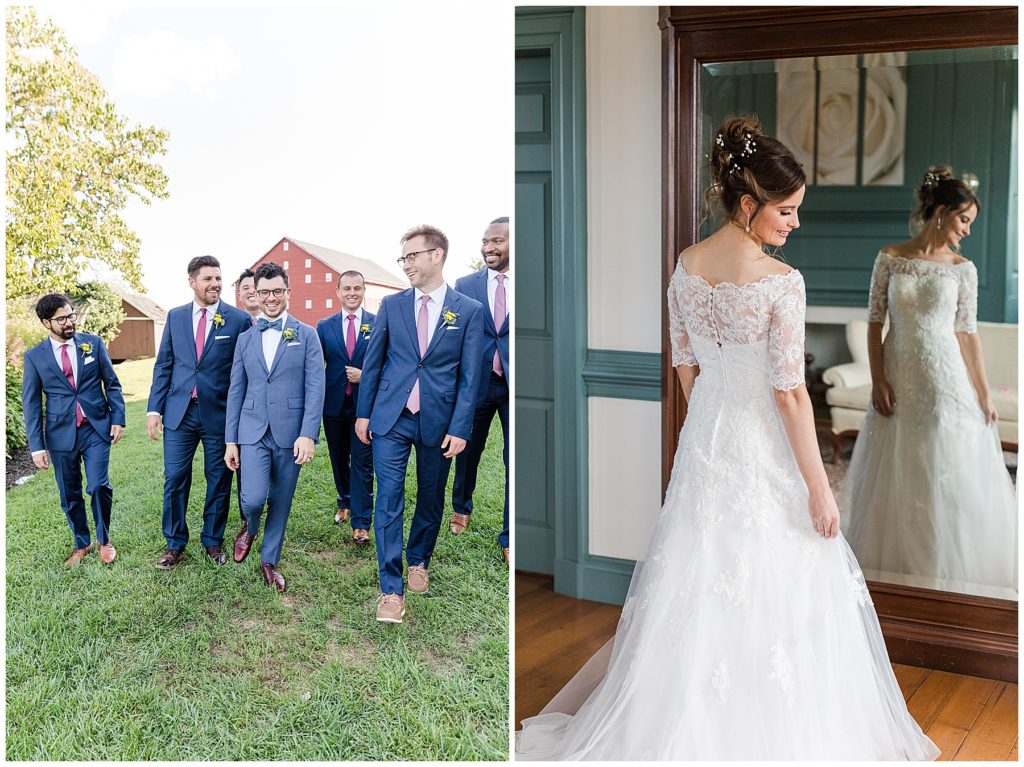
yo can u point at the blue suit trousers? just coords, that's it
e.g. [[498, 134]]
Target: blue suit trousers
[[268, 479], [94, 452]]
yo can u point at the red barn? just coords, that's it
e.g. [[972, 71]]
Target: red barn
[[313, 273]]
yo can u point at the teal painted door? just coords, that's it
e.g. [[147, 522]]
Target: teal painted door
[[534, 326]]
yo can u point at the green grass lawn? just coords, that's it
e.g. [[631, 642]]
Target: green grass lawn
[[206, 663]]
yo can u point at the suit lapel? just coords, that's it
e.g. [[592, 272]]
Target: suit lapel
[[46, 350], [186, 323], [407, 306], [451, 301], [338, 328], [360, 341], [481, 296], [282, 344], [256, 343]]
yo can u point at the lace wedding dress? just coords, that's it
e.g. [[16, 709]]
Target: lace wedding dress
[[927, 500], [744, 635]]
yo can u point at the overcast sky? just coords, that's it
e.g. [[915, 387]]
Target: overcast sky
[[338, 126]]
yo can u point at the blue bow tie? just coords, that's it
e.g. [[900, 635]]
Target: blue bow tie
[[263, 324]]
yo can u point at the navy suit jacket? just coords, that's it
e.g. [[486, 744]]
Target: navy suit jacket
[[177, 370], [332, 338], [99, 394], [289, 397], [447, 373], [475, 286]]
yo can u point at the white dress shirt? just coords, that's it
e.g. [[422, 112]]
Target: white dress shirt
[[434, 307], [272, 338], [210, 311], [492, 289]]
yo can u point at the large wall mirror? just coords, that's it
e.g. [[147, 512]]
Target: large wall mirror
[[869, 102]]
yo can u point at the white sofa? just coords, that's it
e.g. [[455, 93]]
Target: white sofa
[[850, 384]]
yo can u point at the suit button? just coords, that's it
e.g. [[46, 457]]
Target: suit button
[[420, 365], [197, 368], [408, 390], [270, 380]]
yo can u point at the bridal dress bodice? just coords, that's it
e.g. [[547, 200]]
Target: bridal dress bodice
[[744, 634], [927, 500]]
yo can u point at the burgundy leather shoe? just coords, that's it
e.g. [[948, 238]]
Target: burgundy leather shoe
[[273, 578], [242, 545], [244, 530]]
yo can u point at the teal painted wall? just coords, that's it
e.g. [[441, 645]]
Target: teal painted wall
[[961, 108]]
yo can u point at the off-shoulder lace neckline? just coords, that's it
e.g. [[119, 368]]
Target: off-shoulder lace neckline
[[891, 257], [726, 283]]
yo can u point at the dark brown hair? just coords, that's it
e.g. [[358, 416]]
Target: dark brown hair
[[432, 236], [743, 161], [199, 262], [268, 270], [941, 188]]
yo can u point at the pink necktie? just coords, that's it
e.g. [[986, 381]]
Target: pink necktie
[[421, 332], [499, 320], [200, 339], [65, 362], [350, 346]]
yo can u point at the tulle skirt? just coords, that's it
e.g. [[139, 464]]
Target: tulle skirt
[[744, 634]]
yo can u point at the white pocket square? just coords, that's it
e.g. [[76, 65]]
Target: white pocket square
[[295, 343], [89, 359], [452, 327], [222, 336]]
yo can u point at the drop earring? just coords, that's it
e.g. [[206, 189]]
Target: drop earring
[[747, 227]]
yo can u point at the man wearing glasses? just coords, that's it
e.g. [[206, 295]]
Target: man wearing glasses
[[84, 416], [274, 408], [186, 404], [418, 389]]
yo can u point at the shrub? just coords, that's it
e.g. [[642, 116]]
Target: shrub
[[16, 434]]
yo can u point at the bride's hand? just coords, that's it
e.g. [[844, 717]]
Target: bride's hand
[[824, 513], [882, 398], [988, 407]]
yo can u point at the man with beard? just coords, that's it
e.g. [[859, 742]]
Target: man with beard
[[186, 403], [84, 416], [492, 287]]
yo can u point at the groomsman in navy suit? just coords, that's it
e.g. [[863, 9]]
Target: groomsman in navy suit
[[84, 416], [274, 408], [492, 287], [344, 337], [418, 390], [186, 403]]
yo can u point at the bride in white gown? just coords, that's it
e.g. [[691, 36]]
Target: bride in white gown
[[747, 631], [927, 500]]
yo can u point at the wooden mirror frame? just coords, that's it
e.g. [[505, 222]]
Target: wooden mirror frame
[[936, 629]]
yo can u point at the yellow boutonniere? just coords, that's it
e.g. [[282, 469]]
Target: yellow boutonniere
[[365, 329], [218, 320], [289, 334], [448, 317], [86, 348]]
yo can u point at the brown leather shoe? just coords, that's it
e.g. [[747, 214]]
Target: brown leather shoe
[[273, 578], [216, 553], [504, 553], [170, 558], [360, 536], [244, 529], [76, 557], [107, 553], [458, 523], [341, 516], [390, 608], [419, 579], [242, 545]]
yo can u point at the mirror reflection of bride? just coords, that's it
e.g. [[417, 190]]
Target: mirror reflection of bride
[[927, 494], [748, 631]]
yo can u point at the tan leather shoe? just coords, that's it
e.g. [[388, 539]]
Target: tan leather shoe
[[341, 516], [504, 553], [360, 536], [419, 579], [459, 523], [76, 557], [107, 553], [273, 578], [170, 558], [390, 608]]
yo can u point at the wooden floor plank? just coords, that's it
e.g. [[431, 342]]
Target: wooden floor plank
[[959, 714], [931, 697], [995, 732], [910, 678]]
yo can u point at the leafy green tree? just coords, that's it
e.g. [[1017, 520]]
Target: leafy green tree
[[73, 163], [101, 310]]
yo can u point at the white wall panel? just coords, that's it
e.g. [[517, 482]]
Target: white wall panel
[[625, 475], [624, 178]]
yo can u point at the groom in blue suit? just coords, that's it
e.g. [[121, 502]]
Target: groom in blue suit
[[84, 416], [274, 408], [418, 389], [186, 403], [492, 287], [344, 337]]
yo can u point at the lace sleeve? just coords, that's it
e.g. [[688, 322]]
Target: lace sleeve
[[786, 333], [967, 301], [878, 297], [682, 352]]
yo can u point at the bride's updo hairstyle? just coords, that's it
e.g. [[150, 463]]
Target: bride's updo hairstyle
[[940, 187], [746, 161]]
